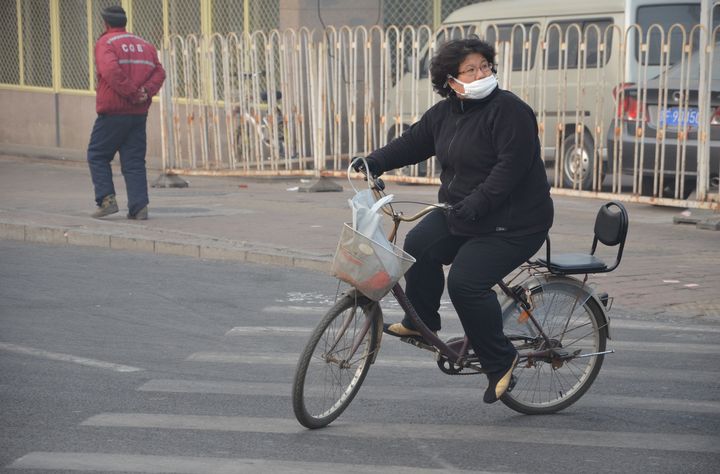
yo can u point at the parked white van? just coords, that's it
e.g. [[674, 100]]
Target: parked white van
[[564, 58]]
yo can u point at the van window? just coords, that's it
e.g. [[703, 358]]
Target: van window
[[531, 33], [665, 16], [594, 31], [444, 35], [453, 32]]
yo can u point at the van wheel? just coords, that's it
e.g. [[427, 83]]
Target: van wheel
[[579, 163]]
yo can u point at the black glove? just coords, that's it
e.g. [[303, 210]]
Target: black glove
[[467, 209], [374, 169]]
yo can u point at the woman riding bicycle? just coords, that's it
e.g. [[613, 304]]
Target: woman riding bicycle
[[486, 141]]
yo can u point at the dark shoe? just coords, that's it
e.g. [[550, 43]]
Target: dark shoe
[[107, 207], [141, 215], [499, 382]]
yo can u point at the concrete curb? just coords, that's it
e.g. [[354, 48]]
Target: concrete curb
[[68, 236]]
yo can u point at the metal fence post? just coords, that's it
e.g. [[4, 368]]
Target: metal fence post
[[319, 121], [167, 179], [703, 146]]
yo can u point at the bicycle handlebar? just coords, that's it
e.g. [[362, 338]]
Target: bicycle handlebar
[[377, 186]]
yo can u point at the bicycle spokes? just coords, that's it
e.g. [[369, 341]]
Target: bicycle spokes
[[335, 362], [561, 347]]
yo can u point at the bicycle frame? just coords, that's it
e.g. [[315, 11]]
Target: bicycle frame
[[454, 353], [558, 325]]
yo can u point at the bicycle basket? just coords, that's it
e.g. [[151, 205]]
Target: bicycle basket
[[367, 265]]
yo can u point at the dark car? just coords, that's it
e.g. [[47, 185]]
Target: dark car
[[669, 126]]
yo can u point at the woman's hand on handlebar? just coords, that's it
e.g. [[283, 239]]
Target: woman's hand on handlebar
[[373, 166], [467, 209]]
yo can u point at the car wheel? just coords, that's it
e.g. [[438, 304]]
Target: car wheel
[[579, 163]]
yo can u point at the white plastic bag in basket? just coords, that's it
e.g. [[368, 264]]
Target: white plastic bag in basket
[[367, 216]]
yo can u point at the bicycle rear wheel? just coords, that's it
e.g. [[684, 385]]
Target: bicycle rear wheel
[[329, 374], [574, 324]]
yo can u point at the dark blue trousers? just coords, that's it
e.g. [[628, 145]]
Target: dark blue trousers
[[124, 134], [478, 263]]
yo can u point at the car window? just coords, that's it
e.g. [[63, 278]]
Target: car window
[[595, 32], [531, 33], [693, 66], [665, 16]]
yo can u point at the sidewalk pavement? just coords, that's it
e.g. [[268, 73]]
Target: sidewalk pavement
[[668, 270]]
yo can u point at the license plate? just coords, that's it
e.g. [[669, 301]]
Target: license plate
[[677, 117]]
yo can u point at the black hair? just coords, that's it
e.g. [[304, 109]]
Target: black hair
[[448, 58], [114, 16]]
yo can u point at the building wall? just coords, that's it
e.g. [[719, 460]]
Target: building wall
[[304, 13], [43, 119], [26, 118]]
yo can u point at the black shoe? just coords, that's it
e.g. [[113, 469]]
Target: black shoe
[[499, 382]]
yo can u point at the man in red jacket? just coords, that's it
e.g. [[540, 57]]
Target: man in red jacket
[[128, 76]]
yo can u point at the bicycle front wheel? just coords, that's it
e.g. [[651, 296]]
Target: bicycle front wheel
[[576, 326], [336, 360]]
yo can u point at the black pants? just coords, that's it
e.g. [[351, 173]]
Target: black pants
[[478, 263]]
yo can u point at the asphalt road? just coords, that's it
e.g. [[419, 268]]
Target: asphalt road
[[114, 361]]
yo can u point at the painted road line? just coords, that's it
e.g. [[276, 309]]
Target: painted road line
[[425, 359], [451, 317], [467, 433], [372, 392], [653, 326], [631, 346], [105, 462], [260, 330], [67, 358], [292, 359], [672, 347]]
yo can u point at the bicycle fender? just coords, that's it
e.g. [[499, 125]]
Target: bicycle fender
[[585, 293], [376, 313]]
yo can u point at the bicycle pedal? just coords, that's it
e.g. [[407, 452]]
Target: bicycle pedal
[[511, 385], [418, 342]]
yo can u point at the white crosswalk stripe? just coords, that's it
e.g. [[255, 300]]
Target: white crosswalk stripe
[[561, 437], [103, 462], [636, 346], [688, 343], [418, 393], [451, 317], [425, 360]]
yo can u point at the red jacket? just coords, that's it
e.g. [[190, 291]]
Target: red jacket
[[125, 63]]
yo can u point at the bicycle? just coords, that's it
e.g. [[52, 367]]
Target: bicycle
[[259, 130], [558, 324]]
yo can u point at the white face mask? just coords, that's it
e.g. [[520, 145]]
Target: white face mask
[[478, 89]]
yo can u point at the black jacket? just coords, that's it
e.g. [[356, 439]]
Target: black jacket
[[489, 147]]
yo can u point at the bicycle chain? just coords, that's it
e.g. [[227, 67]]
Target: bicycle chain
[[460, 372]]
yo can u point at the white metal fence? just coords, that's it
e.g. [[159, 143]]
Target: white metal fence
[[303, 102]]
